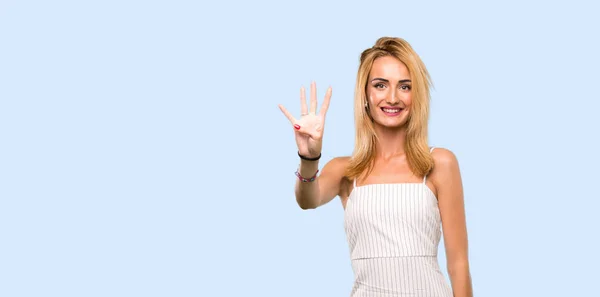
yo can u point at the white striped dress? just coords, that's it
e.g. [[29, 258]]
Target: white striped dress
[[393, 231]]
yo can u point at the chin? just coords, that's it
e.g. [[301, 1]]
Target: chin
[[391, 125]]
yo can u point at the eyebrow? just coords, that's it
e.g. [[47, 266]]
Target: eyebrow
[[385, 80]]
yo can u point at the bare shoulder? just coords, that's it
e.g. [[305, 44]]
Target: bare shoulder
[[334, 172], [446, 172], [336, 166], [444, 157], [445, 165]]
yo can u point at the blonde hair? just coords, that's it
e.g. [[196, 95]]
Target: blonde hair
[[416, 147]]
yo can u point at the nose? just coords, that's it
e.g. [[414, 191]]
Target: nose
[[392, 98]]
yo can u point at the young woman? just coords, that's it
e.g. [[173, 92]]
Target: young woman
[[398, 193]]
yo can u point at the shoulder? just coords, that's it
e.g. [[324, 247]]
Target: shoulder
[[342, 160], [337, 165], [443, 157], [335, 169], [445, 165], [332, 179]]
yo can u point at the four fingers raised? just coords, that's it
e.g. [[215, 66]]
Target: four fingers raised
[[313, 104]]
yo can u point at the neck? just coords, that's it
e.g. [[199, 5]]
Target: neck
[[391, 142]]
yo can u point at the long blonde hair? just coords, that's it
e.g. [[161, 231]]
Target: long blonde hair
[[416, 147]]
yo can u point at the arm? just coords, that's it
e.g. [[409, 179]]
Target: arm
[[324, 188], [309, 138], [448, 182]]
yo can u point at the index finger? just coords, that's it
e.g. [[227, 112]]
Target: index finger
[[287, 114]]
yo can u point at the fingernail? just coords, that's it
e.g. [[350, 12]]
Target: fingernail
[[297, 127]]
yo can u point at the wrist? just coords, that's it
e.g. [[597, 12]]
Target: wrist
[[309, 157]]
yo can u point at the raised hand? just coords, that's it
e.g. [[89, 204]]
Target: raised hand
[[309, 127]]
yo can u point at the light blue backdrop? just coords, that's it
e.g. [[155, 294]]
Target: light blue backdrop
[[142, 152]]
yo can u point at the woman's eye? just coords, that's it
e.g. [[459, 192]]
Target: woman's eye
[[405, 87], [379, 86]]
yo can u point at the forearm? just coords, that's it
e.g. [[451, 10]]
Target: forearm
[[307, 193], [460, 278]]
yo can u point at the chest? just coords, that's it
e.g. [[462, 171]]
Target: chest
[[396, 171], [393, 203]]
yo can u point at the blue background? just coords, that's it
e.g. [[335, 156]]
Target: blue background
[[142, 152]]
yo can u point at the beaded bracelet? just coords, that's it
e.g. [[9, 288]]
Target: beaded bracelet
[[305, 180]]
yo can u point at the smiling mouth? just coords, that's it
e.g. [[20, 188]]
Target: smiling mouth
[[392, 111]]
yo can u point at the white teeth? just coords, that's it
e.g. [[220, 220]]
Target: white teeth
[[391, 110]]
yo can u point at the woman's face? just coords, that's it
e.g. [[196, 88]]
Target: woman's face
[[389, 92]]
